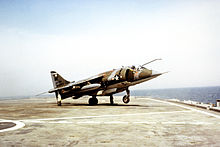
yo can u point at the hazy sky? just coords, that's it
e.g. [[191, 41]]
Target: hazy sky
[[79, 39]]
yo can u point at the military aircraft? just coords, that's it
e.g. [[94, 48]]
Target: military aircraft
[[103, 84]]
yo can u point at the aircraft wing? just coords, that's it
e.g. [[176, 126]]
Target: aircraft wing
[[78, 84]]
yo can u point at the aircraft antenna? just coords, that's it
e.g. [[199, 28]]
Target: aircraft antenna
[[150, 62]]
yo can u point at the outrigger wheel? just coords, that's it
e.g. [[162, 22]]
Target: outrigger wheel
[[93, 101], [58, 97], [58, 103]]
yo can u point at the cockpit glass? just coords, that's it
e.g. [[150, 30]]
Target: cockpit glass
[[137, 67]]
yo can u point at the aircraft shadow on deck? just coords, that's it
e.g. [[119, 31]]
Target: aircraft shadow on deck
[[103, 104]]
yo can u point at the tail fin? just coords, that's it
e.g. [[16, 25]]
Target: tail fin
[[57, 80]]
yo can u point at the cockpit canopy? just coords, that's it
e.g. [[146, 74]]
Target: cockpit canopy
[[137, 67]]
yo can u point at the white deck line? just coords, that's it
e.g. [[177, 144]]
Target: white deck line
[[130, 122], [100, 116], [189, 108], [18, 125]]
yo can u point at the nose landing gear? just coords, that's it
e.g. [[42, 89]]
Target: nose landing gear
[[126, 98]]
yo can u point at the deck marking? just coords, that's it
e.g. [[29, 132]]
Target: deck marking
[[130, 122], [88, 122], [189, 108], [100, 116], [18, 125], [116, 122]]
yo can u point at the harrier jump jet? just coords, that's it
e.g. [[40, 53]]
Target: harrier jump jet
[[104, 84]]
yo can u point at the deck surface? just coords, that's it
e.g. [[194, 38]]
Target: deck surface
[[142, 122]]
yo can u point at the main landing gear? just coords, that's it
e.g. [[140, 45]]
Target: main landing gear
[[111, 100], [126, 98], [93, 101]]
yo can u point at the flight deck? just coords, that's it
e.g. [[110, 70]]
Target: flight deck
[[144, 121]]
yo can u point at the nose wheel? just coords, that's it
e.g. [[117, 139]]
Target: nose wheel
[[126, 98]]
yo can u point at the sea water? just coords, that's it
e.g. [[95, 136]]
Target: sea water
[[199, 94]]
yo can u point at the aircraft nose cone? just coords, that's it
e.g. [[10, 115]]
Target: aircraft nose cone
[[145, 73], [155, 73]]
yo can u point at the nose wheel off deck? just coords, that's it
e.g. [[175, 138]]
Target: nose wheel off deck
[[126, 98]]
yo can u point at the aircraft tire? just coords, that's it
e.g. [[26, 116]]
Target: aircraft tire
[[111, 100], [126, 99], [58, 103], [93, 101]]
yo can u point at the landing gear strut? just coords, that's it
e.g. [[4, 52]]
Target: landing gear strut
[[58, 97], [126, 98], [93, 101], [111, 100]]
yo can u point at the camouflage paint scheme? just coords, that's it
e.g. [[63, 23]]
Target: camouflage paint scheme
[[104, 84]]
